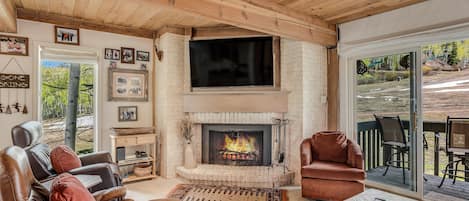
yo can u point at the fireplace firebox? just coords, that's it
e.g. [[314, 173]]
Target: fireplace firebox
[[240, 145]]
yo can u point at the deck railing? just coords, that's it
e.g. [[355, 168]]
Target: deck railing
[[369, 139]]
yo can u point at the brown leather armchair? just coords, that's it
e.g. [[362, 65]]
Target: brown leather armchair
[[331, 167], [28, 136], [17, 182], [16, 178]]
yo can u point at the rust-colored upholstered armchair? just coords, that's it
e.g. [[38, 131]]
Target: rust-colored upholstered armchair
[[331, 167]]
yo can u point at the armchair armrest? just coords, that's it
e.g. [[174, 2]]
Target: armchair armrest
[[111, 194], [306, 152], [104, 170], [354, 155], [98, 157]]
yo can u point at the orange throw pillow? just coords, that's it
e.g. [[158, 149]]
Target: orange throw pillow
[[64, 159], [329, 146], [66, 187]]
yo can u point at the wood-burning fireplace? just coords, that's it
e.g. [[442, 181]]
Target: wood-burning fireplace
[[240, 145]]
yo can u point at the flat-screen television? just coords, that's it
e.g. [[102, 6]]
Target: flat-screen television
[[232, 62]]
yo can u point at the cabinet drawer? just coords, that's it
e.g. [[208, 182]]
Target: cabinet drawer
[[146, 140], [128, 141]]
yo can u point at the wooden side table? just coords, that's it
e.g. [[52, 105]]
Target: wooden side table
[[135, 140]]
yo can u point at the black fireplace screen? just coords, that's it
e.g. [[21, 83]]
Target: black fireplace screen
[[243, 147]]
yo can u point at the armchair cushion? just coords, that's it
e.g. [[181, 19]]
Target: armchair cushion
[[39, 158], [64, 159], [332, 171], [329, 146], [66, 187]]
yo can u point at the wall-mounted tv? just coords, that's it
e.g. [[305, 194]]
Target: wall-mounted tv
[[232, 62]]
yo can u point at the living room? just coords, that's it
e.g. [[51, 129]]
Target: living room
[[218, 100]]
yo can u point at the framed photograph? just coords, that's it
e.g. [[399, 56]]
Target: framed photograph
[[69, 36], [143, 56], [116, 54], [127, 55], [128, 85], [14, 45], [112, 54], [128, 113], [108, 53]]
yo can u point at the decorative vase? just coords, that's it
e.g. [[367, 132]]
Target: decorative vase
[[189, 159]]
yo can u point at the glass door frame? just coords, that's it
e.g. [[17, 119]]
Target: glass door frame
[[37, 91], [351, 124]]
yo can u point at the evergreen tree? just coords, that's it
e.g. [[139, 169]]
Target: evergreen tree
[[453, 55]]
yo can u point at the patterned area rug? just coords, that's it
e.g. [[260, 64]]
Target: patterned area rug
[[190, 192]]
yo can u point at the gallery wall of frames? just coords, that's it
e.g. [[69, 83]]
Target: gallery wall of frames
[[124, 72]]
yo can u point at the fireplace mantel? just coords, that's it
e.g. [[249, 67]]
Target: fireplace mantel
[[236, 102]]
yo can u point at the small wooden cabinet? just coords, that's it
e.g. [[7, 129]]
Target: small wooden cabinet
[[148, 141]]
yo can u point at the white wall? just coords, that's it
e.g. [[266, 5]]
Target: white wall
[[421, 16], [42, 33]]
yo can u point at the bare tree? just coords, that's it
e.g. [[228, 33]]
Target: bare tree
[[72, 107]]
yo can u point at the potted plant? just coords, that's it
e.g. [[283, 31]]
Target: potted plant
[[186, 131]]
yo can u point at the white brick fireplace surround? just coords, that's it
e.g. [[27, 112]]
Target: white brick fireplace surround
[[303, 79]]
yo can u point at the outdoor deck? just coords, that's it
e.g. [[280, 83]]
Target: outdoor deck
[[394, 177], [369, 139]]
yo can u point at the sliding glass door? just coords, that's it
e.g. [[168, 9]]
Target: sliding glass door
[[387, 120]]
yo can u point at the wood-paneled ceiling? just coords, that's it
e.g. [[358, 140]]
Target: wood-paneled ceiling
[[308, 20], [340, 11], [129, 13]]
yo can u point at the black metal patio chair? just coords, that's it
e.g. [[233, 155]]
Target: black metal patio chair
[[457, 144], [393, 136]]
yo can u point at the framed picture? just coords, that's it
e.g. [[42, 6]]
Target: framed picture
[[128, 85], [108, 53], [116, 54], [127, 55], [69, 36], [143, 56], [14, 45], [128, 113], [112, 54]]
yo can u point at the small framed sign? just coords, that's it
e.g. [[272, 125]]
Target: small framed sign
[[19, 81]]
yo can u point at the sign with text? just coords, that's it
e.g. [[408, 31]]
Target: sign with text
[[14, 81]]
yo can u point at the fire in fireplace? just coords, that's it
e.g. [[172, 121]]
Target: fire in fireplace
[[237, 145]]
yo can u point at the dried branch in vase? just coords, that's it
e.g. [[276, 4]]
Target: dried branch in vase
[[186, 129]]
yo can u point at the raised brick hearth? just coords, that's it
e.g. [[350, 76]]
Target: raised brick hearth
[[243, 176]]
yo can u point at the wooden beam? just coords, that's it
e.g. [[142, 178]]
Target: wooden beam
[[171, 29], [217, 32], [333, 103], [72, 22], [249, 16], [7, 16]]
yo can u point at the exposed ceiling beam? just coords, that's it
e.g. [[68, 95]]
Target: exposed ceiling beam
[[7, 16], [254, 17], [202, 33], [82, 23]]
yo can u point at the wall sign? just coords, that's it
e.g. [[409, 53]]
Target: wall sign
[[14, 81]]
